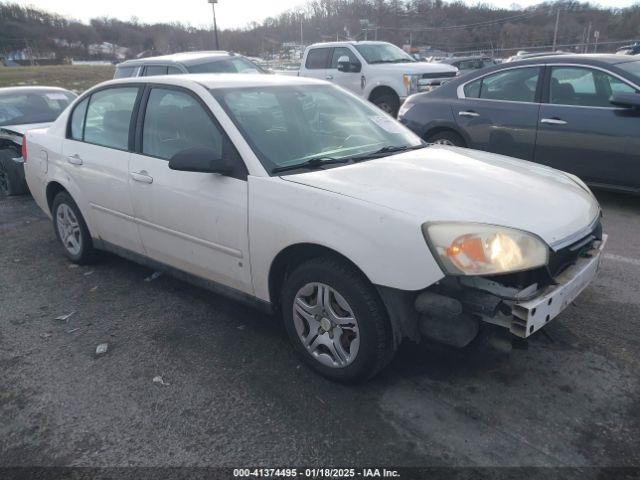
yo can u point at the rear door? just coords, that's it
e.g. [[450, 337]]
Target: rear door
[[499, 112], [317, 63], [97, 151], [195, 222], [581, 132]]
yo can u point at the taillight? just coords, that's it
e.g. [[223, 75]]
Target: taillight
[[23, 149]]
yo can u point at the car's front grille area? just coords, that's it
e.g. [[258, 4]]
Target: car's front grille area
[[439, 75]]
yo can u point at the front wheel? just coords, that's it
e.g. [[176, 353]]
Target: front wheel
[[71, 230], [388, 103], [336, 320], [449, 138]]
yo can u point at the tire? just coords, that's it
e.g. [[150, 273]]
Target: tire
[[11, 180], [388, 103], [68, 221], [359, 351], [446, 138]]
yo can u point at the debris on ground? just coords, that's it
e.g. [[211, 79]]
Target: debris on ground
[[153, 276], [102, 348], [46, 335], [86, 274], [159, 380], [73, 330], [65, 318], [93, 289], [241, 327], [73, 265]]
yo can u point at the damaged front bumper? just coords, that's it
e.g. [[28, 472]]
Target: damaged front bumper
[[530, 315]]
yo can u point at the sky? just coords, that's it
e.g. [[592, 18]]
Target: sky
[[230, 13]]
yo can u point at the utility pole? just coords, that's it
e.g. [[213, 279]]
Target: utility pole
[[555, 32], [301, 31], [586, 47], [215, 23]]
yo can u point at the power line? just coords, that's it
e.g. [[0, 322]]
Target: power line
[[487, 23]]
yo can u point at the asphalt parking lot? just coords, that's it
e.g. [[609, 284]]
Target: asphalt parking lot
[[232, 393]]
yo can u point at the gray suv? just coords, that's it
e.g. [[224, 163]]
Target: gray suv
[[190, 62]]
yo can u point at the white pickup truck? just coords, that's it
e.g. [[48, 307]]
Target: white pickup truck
[[377, 71]]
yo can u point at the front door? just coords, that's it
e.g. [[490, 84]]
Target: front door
[[351, 80], [499, 112], [97, 154], [581, 132], [194, 222]]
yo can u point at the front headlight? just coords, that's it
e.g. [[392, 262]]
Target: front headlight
[[410, 82], [480, 249]]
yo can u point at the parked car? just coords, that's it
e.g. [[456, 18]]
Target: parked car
[[468, 64], [578, 113], [190, 62], [629, 49], [306, 200], [23, 108], [377, 71], [527, 55]]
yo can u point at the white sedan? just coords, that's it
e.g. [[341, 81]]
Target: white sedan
[[305, 200]]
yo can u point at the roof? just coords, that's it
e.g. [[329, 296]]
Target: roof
[[591, 58], [185, 58], [33, 89], [223, 80], [348, 42], [462, 59]]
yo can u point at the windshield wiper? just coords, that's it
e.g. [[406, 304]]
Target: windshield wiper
[[317, 162], [385, 151], [312, 164]]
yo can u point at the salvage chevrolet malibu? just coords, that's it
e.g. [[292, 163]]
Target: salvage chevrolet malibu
[[308, 201]]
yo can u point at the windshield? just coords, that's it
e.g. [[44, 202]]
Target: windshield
[[228, 65], [383, 53], [633, 68], [22, 108], [292, 124]]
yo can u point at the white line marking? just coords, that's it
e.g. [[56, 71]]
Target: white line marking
[[620, 258]]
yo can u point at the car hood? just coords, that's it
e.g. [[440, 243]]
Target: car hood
[[417, 67], [441, 183], [15, 132]]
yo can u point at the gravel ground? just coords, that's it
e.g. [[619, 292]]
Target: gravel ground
[[232, 393]]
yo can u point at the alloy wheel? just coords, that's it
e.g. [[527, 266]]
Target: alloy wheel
[[69, 229], [326, 325]]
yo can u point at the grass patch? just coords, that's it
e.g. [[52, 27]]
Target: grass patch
[[76, 78]]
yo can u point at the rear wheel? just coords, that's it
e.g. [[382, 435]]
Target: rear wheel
[[336, 321], [446, 138], [11, 182], [72, 230]]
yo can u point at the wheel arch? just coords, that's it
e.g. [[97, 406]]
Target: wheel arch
[[294, 255], [382, 90], [53, 189], [446, 128]]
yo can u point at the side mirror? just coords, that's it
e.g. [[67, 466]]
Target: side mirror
[[199, 159], [345, 65], [626, 100]]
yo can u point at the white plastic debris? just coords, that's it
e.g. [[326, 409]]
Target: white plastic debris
[[160, 381], [153, 276], [65, 318], [102, 348], [241, 327], [86, 274]]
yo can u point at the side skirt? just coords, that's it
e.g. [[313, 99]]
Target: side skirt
[[204, 283]]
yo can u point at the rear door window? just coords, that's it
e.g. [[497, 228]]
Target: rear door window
[[77, 120], [318, 58], [125, 72], [109, 117]]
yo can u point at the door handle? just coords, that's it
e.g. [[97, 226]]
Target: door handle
[[142, 177], [74, 159], [468, 113], [329, 77], [553, 121]]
